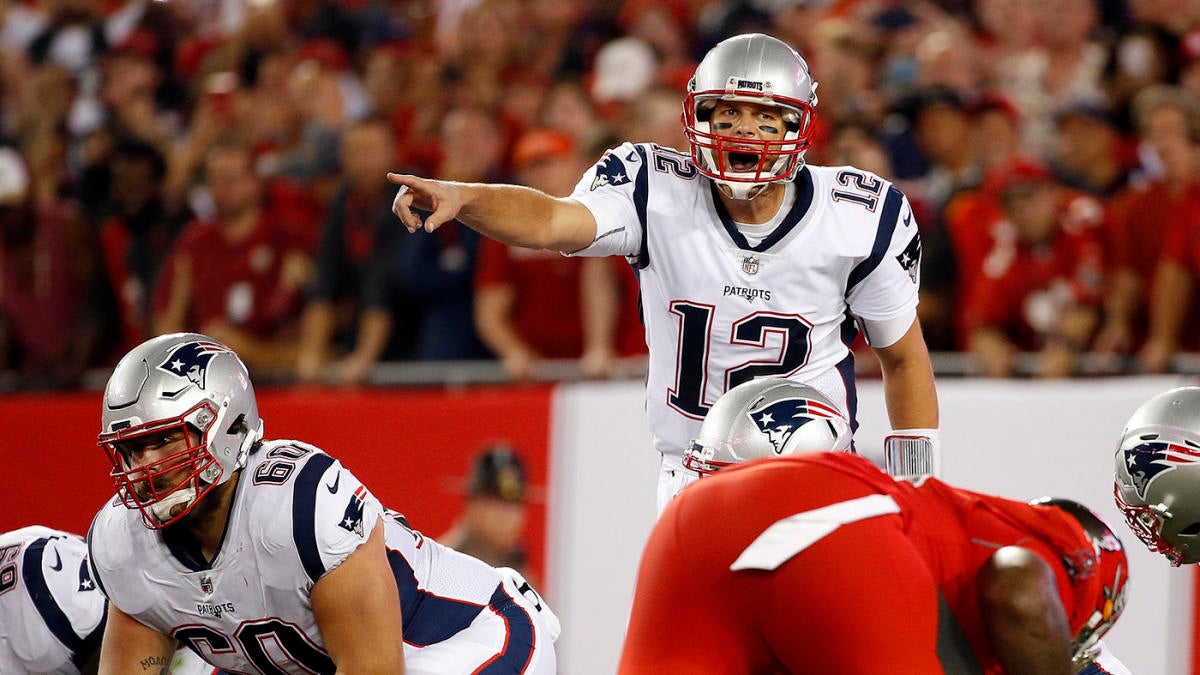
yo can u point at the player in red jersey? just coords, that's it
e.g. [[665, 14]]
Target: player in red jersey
[[819, 562]]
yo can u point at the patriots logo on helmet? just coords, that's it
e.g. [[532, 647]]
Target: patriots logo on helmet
[[1147, 460], [910, 258], [610, 171], [783, 418], [352, 519], [191, 359]]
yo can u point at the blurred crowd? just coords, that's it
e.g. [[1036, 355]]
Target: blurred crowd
[[218, 166]]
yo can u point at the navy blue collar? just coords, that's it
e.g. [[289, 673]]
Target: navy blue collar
[[804, 197]]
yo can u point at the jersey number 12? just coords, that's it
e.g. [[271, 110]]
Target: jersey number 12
[[696, 339]]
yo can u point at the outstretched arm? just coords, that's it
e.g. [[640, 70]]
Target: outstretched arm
[[132, 647], [1025, 620], [515, 215]]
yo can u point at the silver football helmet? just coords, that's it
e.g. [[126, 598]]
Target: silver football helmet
[[180, 382], [1158, 474], [766, 418], [752, 68]]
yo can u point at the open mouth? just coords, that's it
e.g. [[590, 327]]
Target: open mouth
[[743, 161]]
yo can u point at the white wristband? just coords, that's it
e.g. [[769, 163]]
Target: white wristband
[[912, 453]]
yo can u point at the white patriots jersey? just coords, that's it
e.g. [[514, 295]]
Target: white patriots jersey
[[720, 311], [51, 615], [297, 514]]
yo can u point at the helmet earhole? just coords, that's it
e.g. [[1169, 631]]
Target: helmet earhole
[[1191, 530], [238, 426]]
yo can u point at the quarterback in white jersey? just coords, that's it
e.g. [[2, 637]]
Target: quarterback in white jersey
[[750, 263], [51, 615], [269, 556]]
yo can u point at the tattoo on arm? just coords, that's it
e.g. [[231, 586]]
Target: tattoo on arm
[[160, 665]]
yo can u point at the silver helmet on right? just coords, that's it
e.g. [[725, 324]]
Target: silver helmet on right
[[1157, 485], [753, 68], [767, 418], [183, 382]]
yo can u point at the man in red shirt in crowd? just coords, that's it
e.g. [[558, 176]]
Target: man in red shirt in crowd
[[1039, 286], [237, 277], [858, 572], [1140, 218], [534, 304]]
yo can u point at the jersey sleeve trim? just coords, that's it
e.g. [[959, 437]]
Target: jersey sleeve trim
[[91, 558], [883, 238], [43, 600], [304, 511], [641, 197]]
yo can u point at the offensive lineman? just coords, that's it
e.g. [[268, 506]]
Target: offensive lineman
[[269, 556], [51, 613], [751, 264], [859, 572]]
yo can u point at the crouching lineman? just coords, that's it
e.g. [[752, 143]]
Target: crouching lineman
[[857, 572], [51, 614], [269, 556]]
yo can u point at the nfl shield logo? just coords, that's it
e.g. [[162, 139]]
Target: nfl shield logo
[[750, 265], [206, 586]]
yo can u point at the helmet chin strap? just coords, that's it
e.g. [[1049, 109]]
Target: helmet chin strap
[[742, 191], [165, 509]]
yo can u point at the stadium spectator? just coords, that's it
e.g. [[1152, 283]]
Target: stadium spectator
[[353, 317], [775, 575], [238, 275], [1141, 216], [1039, 286], [137, 234], [1088, 152], [439, 271], [49, 271], [1065, 63], [943, 136], [492, 525], [532, 305]]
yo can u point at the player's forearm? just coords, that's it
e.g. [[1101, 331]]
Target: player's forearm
[[521, 216], [130, 647], [908, 386], [1023, 614]]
